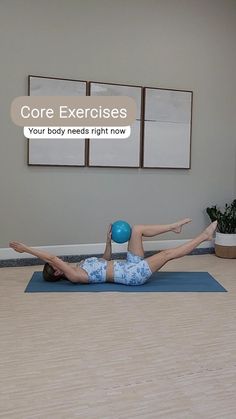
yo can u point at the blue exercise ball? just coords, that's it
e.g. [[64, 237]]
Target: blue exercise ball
[[120, 231]]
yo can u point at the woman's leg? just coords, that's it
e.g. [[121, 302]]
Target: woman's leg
[[135, 244], [156, 262]]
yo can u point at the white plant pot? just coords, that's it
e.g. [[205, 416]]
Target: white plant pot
[[225, 245]]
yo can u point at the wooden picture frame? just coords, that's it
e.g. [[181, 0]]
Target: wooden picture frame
[[167, 128], [56, 152], [160, 136], [115, 153]]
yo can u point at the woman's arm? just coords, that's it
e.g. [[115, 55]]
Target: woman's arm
[[22, 248], [108, 249], [73, 274]]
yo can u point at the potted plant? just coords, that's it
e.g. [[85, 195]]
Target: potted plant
[[225, 241]]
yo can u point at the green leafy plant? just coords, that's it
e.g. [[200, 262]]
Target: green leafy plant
[[226, 218]]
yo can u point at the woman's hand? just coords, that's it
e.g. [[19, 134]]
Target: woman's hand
[[109, 234], [108, 249], [18, 247]]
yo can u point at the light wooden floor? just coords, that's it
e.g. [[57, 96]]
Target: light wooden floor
[[126, 356]]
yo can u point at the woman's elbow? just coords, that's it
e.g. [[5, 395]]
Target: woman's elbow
[[72, 278], [76, 279]]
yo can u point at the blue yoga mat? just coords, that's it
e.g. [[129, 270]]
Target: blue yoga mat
[[159, 282]]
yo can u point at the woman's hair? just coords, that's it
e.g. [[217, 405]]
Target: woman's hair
[[48, 274]]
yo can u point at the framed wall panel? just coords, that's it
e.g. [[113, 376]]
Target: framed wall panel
[[167, 128], [117, 152], [56, 152]]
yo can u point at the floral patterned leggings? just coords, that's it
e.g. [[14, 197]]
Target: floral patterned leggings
[[132, 271]]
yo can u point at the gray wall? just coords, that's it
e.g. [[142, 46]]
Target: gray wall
[[182, 44]]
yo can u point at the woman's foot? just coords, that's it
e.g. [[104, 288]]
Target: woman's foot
[[177, 227], [210, 230]]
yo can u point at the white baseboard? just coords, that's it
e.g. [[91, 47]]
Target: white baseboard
[[96, 248]]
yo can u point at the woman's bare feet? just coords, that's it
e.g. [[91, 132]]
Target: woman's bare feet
[[210, 230], [177, 227]]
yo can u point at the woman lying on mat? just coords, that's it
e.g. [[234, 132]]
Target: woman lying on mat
[[135, 270]]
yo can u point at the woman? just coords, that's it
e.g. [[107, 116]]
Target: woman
[[135, 270]]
